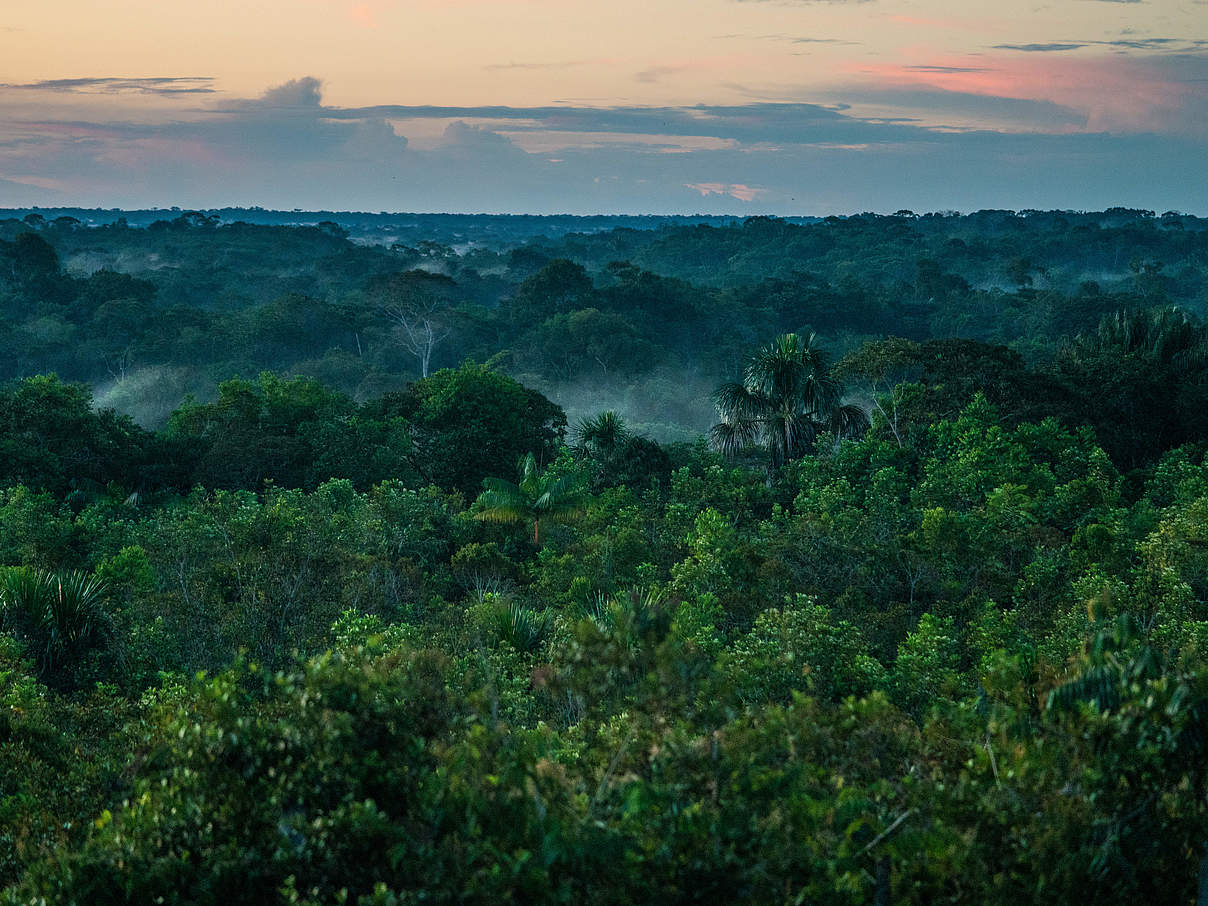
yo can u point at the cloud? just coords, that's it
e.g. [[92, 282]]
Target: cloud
[[287, 148], [1053, 47], [983, 108], [657, 73], [500, 67], [792, 39], [947, 69], [1085, 92], [111, 85], [1146, 43], [733, 190], [303, 96], [836, 41], [744, 123], [1156, 44], [17, 194]]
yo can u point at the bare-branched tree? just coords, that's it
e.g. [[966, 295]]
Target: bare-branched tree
[[420, 306]]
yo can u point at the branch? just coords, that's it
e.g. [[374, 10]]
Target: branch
[[885, 833]]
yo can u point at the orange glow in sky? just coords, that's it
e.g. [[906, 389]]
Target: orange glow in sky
[[766, 96]]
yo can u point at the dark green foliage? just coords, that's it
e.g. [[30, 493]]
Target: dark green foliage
[[473, 422], [787, 397], [617, 456], [50, 437], [60, 617], [956, 658], [1144, 378]]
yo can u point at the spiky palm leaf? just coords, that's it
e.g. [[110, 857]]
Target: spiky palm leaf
[[522, 627], [631, 613], [604, 434], [1166, 336], [62, 614], [730, 438], [848, 421]]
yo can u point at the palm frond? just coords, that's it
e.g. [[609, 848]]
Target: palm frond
[[732, 438], [63, 614], [521, 627], [527, 467], [789, 435], [848, 421], [501, 501], [602, 434], [735, 402]]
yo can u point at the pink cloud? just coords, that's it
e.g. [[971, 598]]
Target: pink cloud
[[1116, 93], [734, 190]]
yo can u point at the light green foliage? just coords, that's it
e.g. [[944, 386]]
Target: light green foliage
[[800, 648], [927, 669], [698, 620], [35, 529], [538, 498], [61, 762]]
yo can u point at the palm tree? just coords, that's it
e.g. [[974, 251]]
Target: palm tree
[[604, 436], [787, 397], [1162, 337], [538, 498], [1143, 376]]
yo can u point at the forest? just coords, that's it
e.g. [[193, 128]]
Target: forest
[[846, 560]]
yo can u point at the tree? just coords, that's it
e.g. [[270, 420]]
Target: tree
[[419, 304], [786, 399], [471, 422], [52, 438], [617, 455], [1141, 377], [603, 435], [560, 286], [570, 341], [540, 497]]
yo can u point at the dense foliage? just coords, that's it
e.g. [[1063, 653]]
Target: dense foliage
[[431, 643], [645, 320]]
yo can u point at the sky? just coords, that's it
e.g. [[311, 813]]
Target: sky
[[805, 107]]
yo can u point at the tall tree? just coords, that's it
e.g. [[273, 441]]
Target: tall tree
[[420, 305], [787, 397]]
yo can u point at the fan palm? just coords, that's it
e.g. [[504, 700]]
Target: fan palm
[[538, 498], [1163, 337], [61, 615], [522, 627], [605, 435], [786, 398]]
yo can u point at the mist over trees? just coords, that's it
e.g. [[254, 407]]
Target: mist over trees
[[642, 320], [838, 561]]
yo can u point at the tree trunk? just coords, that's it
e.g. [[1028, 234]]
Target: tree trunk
[[884, 892]]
